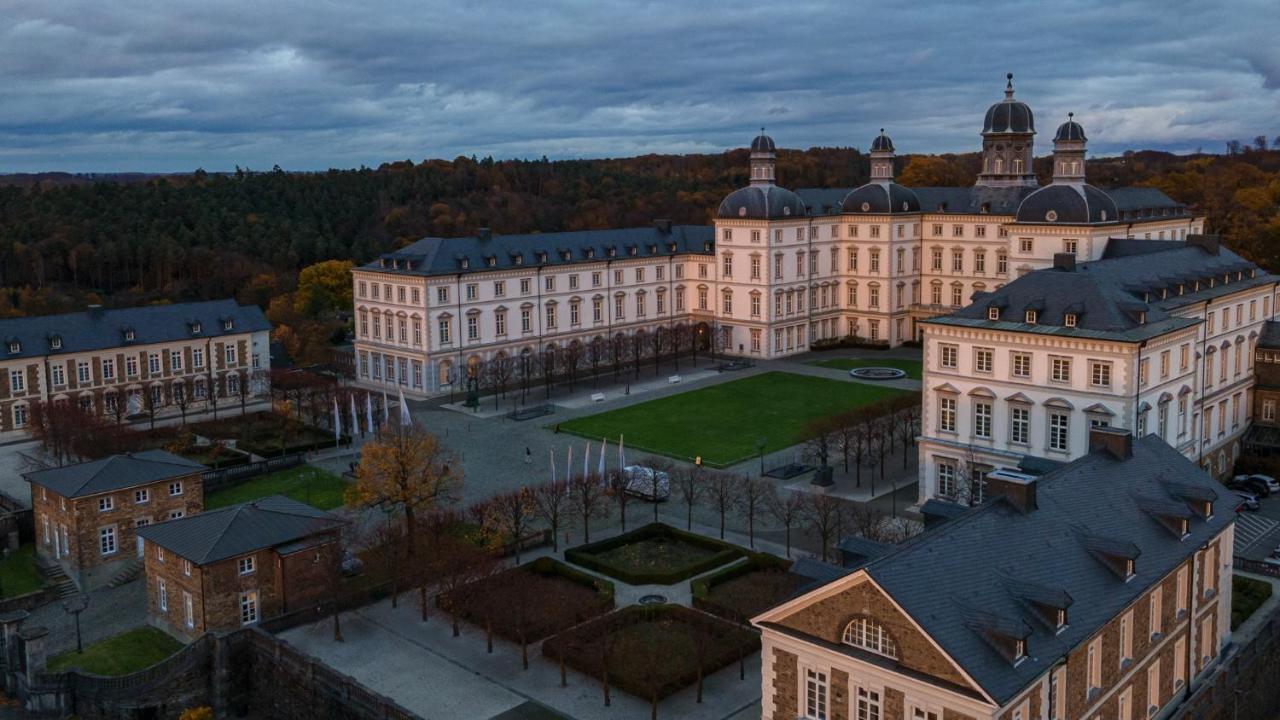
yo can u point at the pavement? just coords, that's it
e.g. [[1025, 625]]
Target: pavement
[[110, 611]]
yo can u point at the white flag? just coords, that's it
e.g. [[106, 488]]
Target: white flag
[[337, 421], [368, 411], [404, 411], [355, 419], [385, 409], [604, 444], [553, 465], [586, 455], [622, 455], [568, 466]]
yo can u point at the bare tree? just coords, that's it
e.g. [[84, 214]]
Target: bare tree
[[512, 514], [689, 485], [618, 491], [181, 397], [552, 502], [824, 514], [722, 490], [571, 360], [596, 352], [590, 500], [786, 507], [753, 498], [653, 484]]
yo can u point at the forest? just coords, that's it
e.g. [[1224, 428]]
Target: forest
[[66, 241]]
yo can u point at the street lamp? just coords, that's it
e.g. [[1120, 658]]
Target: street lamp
[[760, 443], [75, 605]]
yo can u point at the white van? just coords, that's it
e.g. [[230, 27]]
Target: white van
[[640, 483]]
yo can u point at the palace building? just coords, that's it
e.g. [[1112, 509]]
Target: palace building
[[776, 271]]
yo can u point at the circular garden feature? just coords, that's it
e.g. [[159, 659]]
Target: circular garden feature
[[877, 373]]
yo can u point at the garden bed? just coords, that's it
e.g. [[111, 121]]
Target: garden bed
[[742, 591], [531, 602], [655, 554], [652, 651], [267, 434]]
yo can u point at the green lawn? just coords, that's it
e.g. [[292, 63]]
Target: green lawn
[[316, 487], [18, 574], [1247, 595], [910, 367], [722, 423], [121, 654]]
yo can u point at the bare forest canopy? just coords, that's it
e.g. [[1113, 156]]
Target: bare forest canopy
[[66, 240]]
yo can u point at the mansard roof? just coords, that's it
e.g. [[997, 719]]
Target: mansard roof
[[881, 198], [1130, 204], [995, 557], [478, 253], [1129, 295], [1065, 203], [102, 328]]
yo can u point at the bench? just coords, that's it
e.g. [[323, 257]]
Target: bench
[[597, 397], [673, 379]]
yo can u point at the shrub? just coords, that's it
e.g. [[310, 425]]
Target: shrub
[[594, 556], [761, 582]]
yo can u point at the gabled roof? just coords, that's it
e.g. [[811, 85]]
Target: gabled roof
[[116, 472], [238, 529], [975, 574], [97, 329], [450, 256]]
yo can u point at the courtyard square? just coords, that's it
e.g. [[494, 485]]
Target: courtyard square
[[724, 423]]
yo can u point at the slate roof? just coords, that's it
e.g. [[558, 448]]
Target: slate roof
[[1130, 204], [1110, 296], [1070, 130], [449, 256], [116, 472], [981, 569], [238, 529], [105, 328], [879, 197], [765, 201], [1068, 203], [1270, 335]]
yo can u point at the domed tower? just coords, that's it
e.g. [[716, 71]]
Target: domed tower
[[1068, 152], [882, 158], [764, 160], [1008, 135]]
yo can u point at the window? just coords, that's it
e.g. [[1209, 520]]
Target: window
[[162, 594], [444, 329], [1094, 666], [1210, 570], [1030, 317], [1069, 246], [442, 295], [1057, 694], [57, 373], [1021, 364], [175, 514], [815, 694], [982, 420], [1059, 431], [17, 381], [1024, 245], [175, 488], [197, 358], [947, 414], [229, 352], [246, 565], [141, 496], [1179, 663], [1060, 369], [1153, 688], [983, 360], [107, 540], [1069, 320], [1019, 425], [949, 356], [957, 261], [249, 607], [935, 260], [870, 635], [868, 704], [1002, 263], [109, 367], [105, 503], [1100, 374], [1126, 639], [1125, 705], [993, 313], [186, 567], [188, 610], [946, 479]]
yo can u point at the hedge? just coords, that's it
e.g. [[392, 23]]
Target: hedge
[[651, 677], [587, 555], [268, 449]]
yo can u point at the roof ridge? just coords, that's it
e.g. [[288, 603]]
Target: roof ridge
[[234, 512]]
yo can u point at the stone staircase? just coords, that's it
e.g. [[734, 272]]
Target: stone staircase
[[55, 576], [127, 574]]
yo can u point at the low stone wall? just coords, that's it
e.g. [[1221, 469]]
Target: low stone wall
[[1243, 685]]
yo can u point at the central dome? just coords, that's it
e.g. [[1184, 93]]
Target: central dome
[[762, 202], [1009, 115]]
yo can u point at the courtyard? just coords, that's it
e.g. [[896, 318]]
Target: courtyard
[[725, 423]]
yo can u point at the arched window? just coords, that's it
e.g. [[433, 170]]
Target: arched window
[[870, 635]]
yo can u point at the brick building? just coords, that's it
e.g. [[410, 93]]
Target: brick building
[[129, 361], [85, 515], [238, 565], [1264, 434], [1030, 605]]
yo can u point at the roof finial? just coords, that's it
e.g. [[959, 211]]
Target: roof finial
[[1008, 87], [1070, 116], [882, 131]]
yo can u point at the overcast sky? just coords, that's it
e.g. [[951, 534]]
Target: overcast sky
[[115, 85]]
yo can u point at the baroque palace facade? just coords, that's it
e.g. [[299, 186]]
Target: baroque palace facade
[[777, 270]]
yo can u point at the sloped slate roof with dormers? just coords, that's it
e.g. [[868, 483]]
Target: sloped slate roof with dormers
[[116, 472], [1129, 295], [982, 570], [451, 256], [99, 329], [238, 529]]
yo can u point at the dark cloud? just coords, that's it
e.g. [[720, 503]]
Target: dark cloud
[[307, 84]]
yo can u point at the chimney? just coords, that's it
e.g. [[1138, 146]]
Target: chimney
[[1210, 243], [1117, 441], [95, 311], [484, 234], [663, 226], [1018, 489], [1064, 261]]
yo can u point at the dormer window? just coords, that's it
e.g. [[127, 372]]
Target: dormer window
[[55, 343], [518, 259], [1069, 320], [993, 313], [14, 347], [1019, 650], [1142, 317], [129, 335], [632, 250], [591, 252], [1061, 618], [542, 257], [1182, 288], [195, 328], [491, 261], [1130, 569], [227, 325], [1030, 317], [464, 263]]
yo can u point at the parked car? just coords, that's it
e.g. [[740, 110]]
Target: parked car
[[1246, 501], [1270, 482], [640, 483], [1250, 485]]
